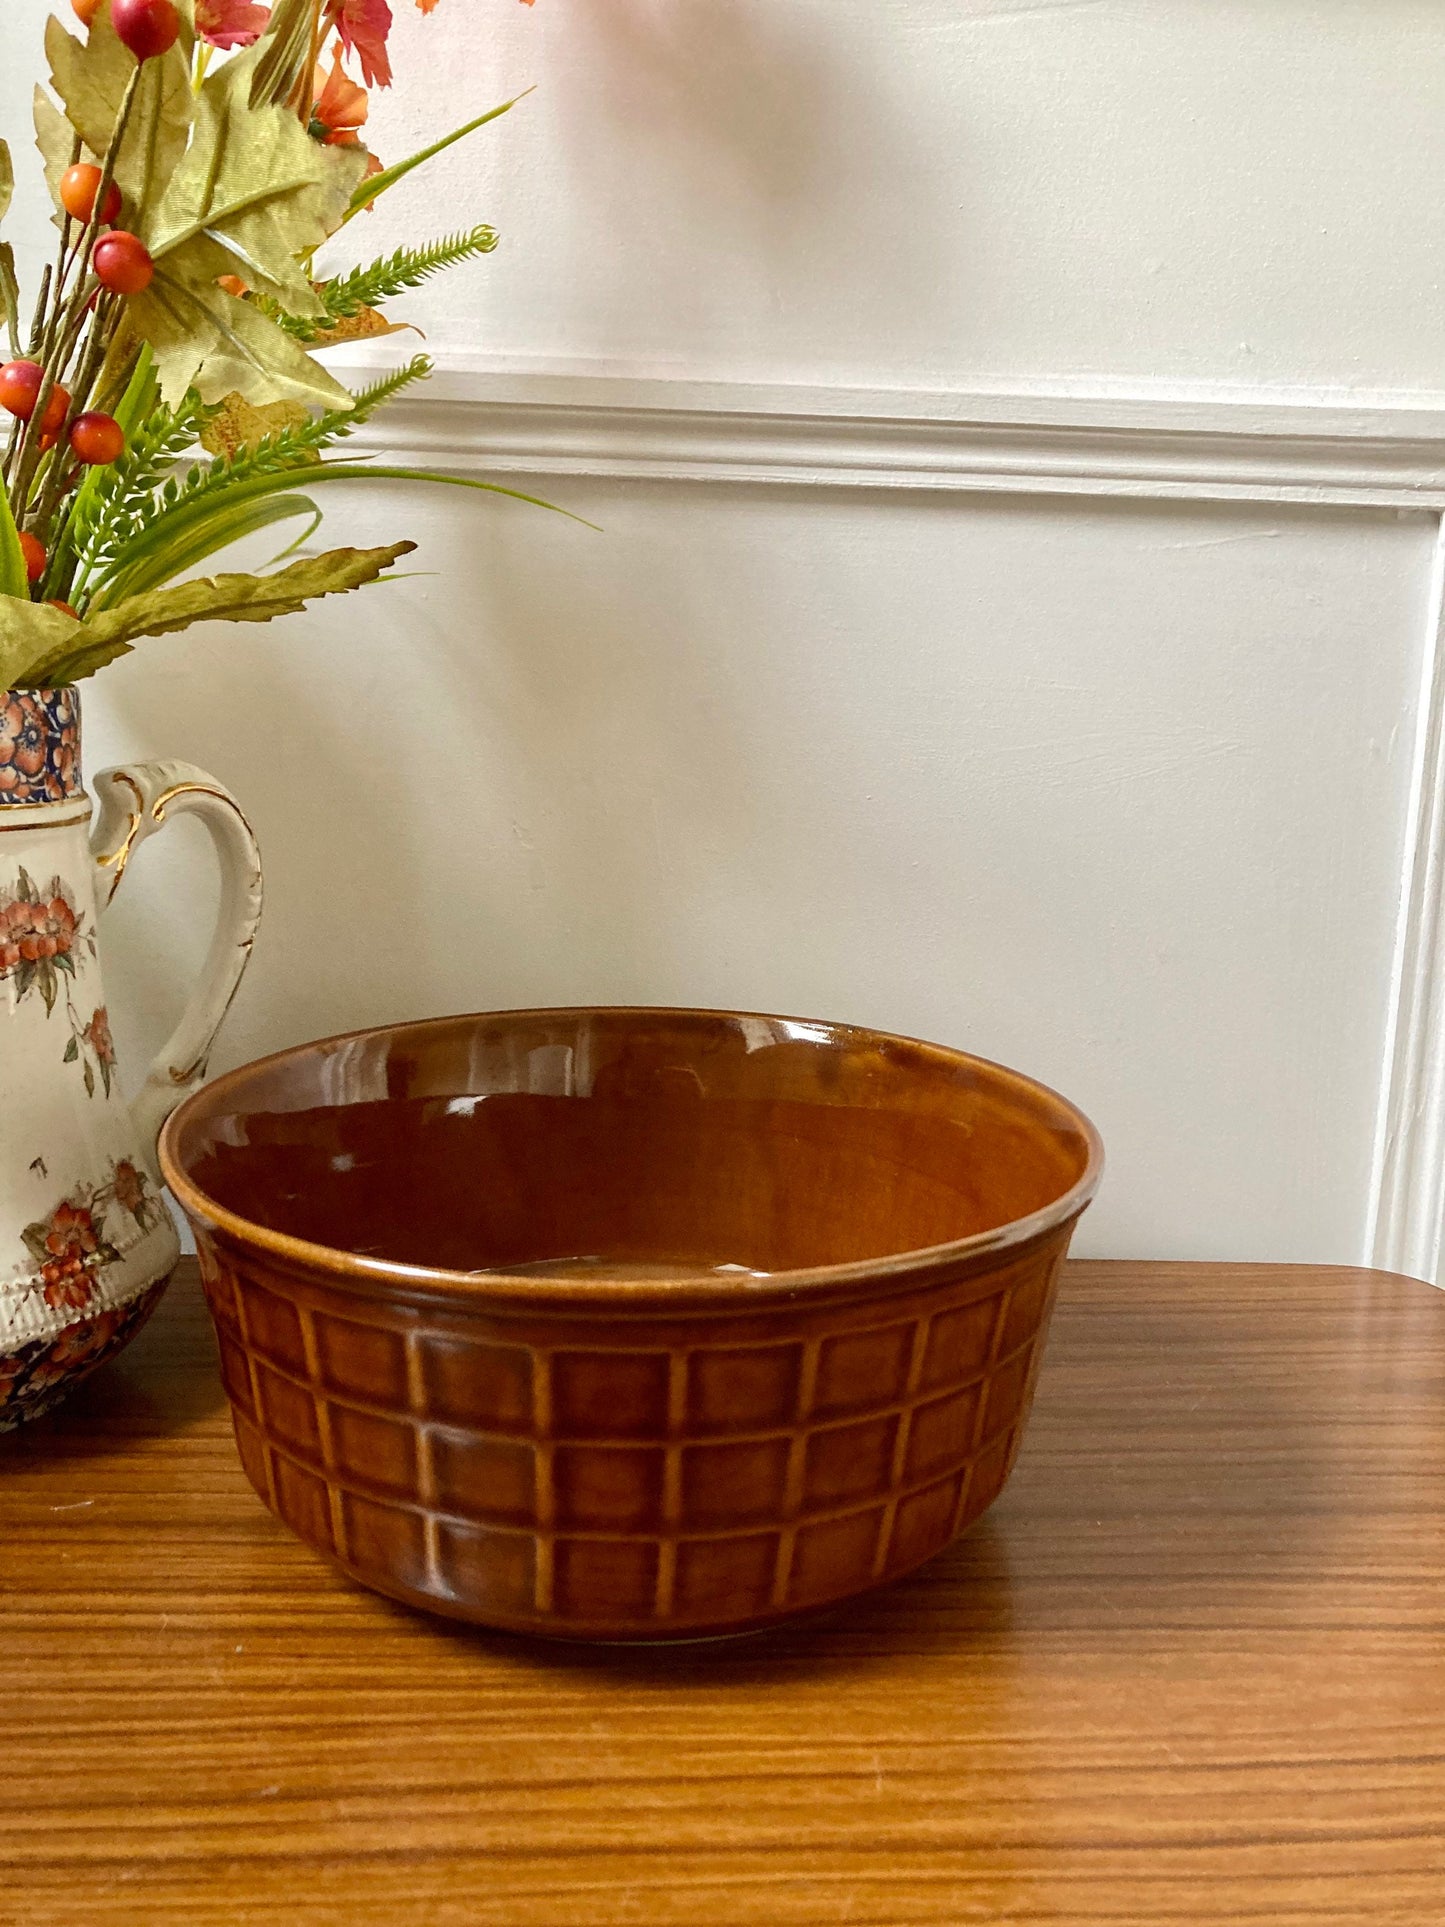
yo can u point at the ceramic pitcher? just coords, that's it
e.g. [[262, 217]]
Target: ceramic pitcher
[[86, 1238]]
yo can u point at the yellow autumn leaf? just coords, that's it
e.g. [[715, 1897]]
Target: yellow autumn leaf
[[90, 77], [240, 424], [88, 646], [364, 325]]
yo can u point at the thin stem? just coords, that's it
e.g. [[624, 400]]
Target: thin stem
[[61, 265], [65, 313], [76, 328], [308, 79], [60, 482], [37, 325], [122, 352]]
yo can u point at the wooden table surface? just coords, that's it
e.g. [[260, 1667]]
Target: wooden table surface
[[1191, 1668]]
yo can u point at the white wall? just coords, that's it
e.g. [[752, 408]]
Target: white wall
[[1019, 439]]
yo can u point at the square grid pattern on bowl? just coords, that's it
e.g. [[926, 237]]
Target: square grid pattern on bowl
[[602, 1483]]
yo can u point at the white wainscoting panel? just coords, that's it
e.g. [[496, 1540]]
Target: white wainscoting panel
[[1085, 731]]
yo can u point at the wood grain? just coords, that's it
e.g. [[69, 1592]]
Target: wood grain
[[1190, 1669]]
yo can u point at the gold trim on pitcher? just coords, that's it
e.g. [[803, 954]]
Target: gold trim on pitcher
[[44, 816], [158, 808], [120, 855]]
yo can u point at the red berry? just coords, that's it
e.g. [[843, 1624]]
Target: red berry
[[78, 188], [85, 10], [147, 27], [33, 549], [20, 383], [122, 263], [56, 410], [96, 439]]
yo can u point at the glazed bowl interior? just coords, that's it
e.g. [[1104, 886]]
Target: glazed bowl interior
[[630, 1144]]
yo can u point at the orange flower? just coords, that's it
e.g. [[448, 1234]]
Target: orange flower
[[97, 1035], [130, 1188], [363, 26], [72, 1249], [67, 1287], [341, 107], [71, 1233], [34, 932]]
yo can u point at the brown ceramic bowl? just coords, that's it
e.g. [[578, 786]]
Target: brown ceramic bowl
[[628, 1324]]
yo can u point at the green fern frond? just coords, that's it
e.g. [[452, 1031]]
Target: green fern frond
[[366, 401], [118, 508], [368, 287], [179, 503]]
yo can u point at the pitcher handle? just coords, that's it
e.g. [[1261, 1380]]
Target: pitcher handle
[[135, 801]]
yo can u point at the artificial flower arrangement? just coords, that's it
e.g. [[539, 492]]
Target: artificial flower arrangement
[[199, 153]]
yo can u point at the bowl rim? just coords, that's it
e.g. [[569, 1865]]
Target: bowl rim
[[562, 1292]]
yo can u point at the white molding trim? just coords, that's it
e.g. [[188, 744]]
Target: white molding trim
[[1379, 451], [1407, 1211], [1323, 450]]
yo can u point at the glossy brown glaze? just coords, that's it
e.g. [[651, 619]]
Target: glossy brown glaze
[[629, 1324], [1187, 1672]]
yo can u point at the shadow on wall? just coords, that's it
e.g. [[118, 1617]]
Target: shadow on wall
[[769, 130]]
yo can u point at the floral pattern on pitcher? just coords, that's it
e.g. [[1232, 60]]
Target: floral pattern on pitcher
[[86, 1240], [40, 1373], [75, 1243], [94, 1047], [39, 746], [42, 934]]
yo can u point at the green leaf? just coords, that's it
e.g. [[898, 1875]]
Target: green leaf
[[90, 77], [9, 281], [389, 176], [33, 1237], [99, 483], [139, 398], [204, 338], [72, 1051], [10, 297], [254, 181], [148, 557], [346, 295], [55, 138], [251, 192], [227, 523], [178, 525], [13, 579], [89, 1079], [135, 406], [30, 632], [228, 598]]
